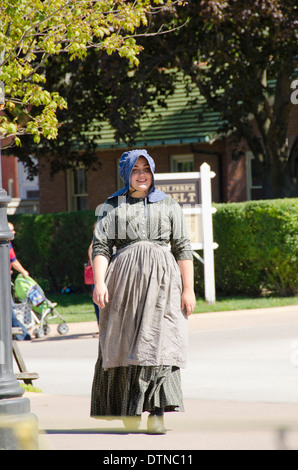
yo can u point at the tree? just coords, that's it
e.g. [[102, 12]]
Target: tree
[[100, 88], [33, 31], [242, 56]]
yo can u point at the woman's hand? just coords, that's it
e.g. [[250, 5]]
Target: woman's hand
[[188, 301], [188, 298], [100, 294]]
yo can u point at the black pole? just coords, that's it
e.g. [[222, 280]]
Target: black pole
[[14, 409], [9, 386]]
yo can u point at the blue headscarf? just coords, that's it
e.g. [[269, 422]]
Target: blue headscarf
[[126, 164]]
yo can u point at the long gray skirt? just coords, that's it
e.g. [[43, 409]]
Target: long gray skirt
[[131, 390], [143, 335]]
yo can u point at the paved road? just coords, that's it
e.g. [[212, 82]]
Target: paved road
[[244, 356], [240, 376], [232, 355]]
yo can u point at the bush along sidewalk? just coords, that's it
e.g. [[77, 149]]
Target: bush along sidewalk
[[257, 253], [54, 247], [258, 247]]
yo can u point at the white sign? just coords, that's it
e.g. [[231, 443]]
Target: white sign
[[193, 192]]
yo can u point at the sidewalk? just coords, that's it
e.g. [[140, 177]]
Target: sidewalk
[[207, 424]]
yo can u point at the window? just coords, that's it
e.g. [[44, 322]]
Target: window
[[254, 181], [77, 189], [28, 188], [182, 163]]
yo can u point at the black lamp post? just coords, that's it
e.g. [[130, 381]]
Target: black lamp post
[[9, 386], [14, 408]]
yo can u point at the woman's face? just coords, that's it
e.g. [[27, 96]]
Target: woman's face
[[141, 178]]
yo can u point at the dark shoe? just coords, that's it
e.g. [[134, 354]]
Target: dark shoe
[[155, 424]]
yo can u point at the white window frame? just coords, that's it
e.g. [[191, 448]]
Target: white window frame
[[249, 183], [183, 158], [71, 195], [26, 185]]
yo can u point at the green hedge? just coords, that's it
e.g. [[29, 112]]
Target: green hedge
[[54, 247], [258, 247]]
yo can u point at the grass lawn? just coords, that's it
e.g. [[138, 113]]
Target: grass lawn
[[79, 307], [243, 303], [73, 307]]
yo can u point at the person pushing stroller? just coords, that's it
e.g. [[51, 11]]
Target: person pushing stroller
[[15, 264]]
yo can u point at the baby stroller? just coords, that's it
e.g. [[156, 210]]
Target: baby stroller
[[35, 307]]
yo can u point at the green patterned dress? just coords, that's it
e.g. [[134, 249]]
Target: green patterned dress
[[143, 331]]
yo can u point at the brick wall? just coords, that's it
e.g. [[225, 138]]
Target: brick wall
[[10, 172], [103, 182], [234, 174], [228, 185], [52, 190]]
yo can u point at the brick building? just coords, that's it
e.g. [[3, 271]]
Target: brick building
[[179, 138], [10, 178], [24, 193]]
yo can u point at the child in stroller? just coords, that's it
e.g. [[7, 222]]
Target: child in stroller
[[35, 308]]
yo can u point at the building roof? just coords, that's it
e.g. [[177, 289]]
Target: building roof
[[186, 119]]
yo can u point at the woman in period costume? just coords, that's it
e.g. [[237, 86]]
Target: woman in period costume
[[145, 292]]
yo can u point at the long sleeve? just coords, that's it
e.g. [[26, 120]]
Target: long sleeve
[[122, 222], [104, 233], [181, 247]]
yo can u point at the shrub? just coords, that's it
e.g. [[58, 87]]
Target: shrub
[[258, 247], [54, 247]]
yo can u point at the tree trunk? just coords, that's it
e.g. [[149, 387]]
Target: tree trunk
[[278, 183]]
